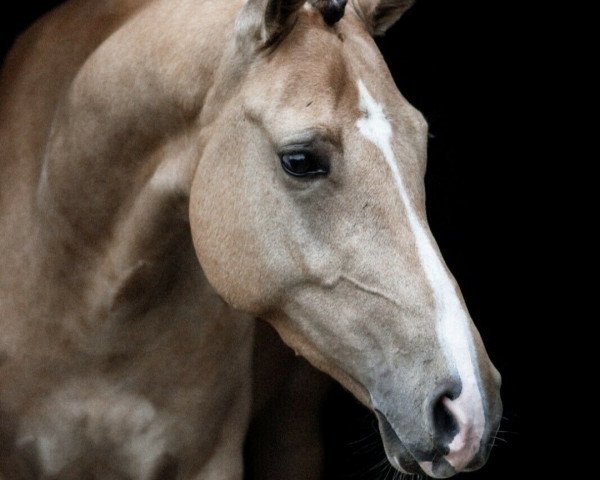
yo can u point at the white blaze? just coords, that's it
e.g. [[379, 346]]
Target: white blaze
[[452, 319]]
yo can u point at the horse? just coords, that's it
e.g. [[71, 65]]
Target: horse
[[172, 170]]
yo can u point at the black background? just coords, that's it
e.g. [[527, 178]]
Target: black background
[[464, 65]]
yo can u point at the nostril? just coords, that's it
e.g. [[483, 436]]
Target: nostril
[[444, 424]]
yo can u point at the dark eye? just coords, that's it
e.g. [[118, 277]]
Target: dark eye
[[303, 164]]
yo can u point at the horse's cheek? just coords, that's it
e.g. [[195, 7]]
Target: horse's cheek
[[227, 247]]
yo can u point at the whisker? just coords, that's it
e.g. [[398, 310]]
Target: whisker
[[367, 437], [378, 465], [390, 470], [500, 439]]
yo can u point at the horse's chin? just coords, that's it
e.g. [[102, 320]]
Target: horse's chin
[[398, 455], [403, 460]]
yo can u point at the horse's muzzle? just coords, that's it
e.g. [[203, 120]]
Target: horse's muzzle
[[448, 442]]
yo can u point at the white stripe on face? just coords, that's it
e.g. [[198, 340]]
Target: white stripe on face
[[452, 321]]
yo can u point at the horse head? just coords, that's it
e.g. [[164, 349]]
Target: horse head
[[308, 210]]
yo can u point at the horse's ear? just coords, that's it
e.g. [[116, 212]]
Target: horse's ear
[[262, 22], [379, 15]]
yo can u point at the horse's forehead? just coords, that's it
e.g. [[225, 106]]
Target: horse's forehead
[[326, 64], [312, 81], [310, 59]]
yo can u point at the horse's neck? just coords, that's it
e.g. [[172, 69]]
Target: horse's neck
[[131, 107], [123, 146]]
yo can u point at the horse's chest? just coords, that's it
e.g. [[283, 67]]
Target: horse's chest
[[90, 421], [155, 389]]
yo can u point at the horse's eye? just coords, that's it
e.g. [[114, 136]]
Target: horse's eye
[[303, 164]]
